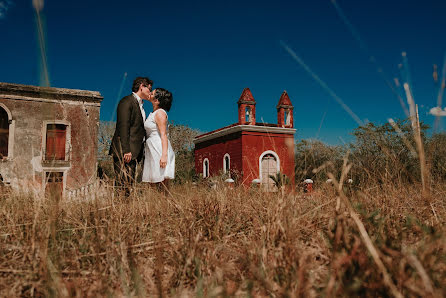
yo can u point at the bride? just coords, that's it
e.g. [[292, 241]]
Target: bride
[[159, 158]]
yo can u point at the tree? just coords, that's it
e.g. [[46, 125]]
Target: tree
[[436, 156], [381, 153], [312, 154], [181, 137], [105, 135]]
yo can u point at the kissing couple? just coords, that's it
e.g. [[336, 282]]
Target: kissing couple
[[138, 138]]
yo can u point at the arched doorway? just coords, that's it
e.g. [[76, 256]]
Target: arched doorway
[[4, 133], [269, 166]]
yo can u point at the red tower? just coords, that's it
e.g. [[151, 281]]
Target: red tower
[[246, 108], [249, 150], [285, 111]]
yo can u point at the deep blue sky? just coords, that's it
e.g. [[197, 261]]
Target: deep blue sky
[[206, 52]]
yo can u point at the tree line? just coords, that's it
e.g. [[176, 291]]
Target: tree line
[[378, 154]]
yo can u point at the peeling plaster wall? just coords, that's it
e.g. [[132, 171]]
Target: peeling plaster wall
[[25, 164], [84, 144], [26, 168]]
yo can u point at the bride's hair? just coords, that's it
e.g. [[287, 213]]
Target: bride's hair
[[164, 97]]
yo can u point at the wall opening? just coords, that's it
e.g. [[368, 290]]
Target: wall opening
[[269, 168], [4, 133], [269, 165], [287, 119], [226, 163], [248, 114], [54, 184], [205, 168], [56, 140]]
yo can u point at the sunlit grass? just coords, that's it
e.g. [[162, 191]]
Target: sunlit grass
[[204, 242]]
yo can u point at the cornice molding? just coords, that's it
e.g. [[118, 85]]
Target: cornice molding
[[37, 99], [50, 93], [248, 128], [249, 102]]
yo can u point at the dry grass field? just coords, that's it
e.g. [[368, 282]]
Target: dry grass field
[[378, 241]]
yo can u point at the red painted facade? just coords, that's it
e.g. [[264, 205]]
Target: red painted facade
[[248, 144]]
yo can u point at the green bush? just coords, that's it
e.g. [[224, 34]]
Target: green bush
[[380, 153], [311, 155]]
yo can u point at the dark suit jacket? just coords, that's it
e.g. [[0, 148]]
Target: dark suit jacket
[[129, 134]]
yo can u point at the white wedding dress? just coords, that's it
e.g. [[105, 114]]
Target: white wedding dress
[[152, 172]]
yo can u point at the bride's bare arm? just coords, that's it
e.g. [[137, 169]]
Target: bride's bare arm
[[161, 122]]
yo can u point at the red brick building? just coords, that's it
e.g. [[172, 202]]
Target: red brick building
[[48, 138], [252, 150]]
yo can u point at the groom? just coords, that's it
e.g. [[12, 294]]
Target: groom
[[127, 143]]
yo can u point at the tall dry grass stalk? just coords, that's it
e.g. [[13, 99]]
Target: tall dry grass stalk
[[225, 242], [415, 120]]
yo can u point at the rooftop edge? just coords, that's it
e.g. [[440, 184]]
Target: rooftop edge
[[49, 92]]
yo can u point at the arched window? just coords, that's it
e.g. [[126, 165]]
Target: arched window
[[226, 163], [205, 168], [286, 117], [4, 133], [248, 114]]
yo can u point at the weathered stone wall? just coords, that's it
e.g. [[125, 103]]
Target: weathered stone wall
[[31, 109], [84, 121]]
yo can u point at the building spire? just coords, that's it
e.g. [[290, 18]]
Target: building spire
[[285, 111], [246, 108]]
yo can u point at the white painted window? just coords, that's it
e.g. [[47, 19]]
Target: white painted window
[[205, 168], [226, 163]]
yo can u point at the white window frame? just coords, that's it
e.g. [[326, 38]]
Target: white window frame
[[224, 163], [204, 168], [260, 161], [67, 138], [10, 133]]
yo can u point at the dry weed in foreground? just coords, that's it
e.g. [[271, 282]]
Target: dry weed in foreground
[[224, 242]]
